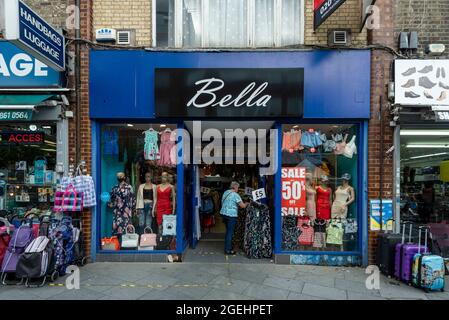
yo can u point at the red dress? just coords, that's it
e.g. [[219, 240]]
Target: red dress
[[323, 205], [164, 203]]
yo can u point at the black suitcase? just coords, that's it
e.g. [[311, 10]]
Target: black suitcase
[[386, 246]]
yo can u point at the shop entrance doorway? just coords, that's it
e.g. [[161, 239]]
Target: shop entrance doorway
[[235, 161]]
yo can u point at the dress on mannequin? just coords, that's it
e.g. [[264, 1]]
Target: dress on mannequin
[[323, 205], [339, 207], [164, 203], [310, 203]]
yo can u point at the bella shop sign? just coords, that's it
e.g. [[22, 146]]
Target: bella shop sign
[[199, 93]]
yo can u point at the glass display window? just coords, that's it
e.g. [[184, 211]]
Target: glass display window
[[28, 174], [138, 186], [319, 188]]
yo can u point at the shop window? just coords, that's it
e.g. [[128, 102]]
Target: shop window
[[138, 185], [28, 175], [229, 23], [319, 188]]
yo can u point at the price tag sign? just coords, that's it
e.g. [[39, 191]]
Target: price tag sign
[[259, 194], [249, 191], [204, 190], [293, 191]]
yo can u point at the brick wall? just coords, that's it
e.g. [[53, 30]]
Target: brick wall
[[127, 14], [348, 16], [380, 76], [53, 11], [429, 18]]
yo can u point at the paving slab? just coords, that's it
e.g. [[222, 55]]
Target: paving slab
[[354, 286], [217, 294], [265, 292], [324, 292], [230, 285], [322, 280], [300, 296], [283, 283]]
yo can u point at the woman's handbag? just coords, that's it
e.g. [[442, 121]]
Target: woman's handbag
[[111, 243], [148, 240], [169, 225], [130, 240]]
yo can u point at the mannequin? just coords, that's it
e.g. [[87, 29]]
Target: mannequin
[[311, 198], [123, 203], [146, 200], [324, 199], [344, 196], [166, 198]]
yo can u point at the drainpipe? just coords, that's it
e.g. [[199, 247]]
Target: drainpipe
[[77, 87], [381, 158]]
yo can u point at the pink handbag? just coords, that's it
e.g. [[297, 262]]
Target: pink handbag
[[148, 239]]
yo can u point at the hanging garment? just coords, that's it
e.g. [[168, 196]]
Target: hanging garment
[[335, 233], [167, 144], [311, 139], [341, 146], [151, 149], [350, 148], [290, 233], [257, 239], [124, 203], [339, 209], [291, 141], [311, 202], [319, 239], [323, 205], [164, 203], [306, 236], [110, 142]]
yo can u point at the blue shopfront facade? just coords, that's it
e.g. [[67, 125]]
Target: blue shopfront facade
[[335, 92]]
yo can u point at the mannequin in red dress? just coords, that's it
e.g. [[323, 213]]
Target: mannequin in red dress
[[166, 198], [323, 199]]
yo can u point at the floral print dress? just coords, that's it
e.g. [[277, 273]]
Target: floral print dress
[[124, 203]]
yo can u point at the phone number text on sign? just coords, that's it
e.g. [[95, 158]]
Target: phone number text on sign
[[293, 191]]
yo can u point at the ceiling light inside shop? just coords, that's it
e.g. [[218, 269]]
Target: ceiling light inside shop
[[46, 127], [130, 125], [432, 146], [424, 132], [429, 155], [163, 125], [33, 127]]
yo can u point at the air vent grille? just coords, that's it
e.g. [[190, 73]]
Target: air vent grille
[[124, 37]]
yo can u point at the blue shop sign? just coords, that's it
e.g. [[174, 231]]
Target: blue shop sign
[[40, 37], [18, 69]]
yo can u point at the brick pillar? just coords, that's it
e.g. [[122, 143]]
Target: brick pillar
[[380, 76]]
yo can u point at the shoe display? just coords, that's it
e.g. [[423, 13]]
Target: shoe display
[[411, 94], [444, 86], [410, 83], [426, 69], [428, 95], [426, 83], [409, 72], [443, 96]]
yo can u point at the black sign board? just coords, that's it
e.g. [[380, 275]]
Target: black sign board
[[22, 137], [323, 9], [231, 92]]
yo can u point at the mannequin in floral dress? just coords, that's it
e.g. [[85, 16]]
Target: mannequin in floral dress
[[123, 203]]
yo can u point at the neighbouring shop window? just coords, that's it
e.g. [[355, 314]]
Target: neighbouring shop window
[[319, 188], [229, 23], [138, 185], [425, 175], [27, 168]]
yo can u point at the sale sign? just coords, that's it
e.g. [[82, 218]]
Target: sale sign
[[293, 191]]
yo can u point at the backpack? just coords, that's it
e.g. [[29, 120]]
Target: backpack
[[35, 261], [21, 238], [207, 206]]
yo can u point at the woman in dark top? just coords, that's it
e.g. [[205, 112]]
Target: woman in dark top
[[146, 202]]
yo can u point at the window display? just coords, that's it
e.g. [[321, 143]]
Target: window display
[[28, 174], [319, 184], [139, 175]]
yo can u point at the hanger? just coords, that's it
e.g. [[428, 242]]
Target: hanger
[[167, 130]]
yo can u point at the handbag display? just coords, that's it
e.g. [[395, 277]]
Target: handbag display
[[169, 225], [83, 184], [111, 243], [166, 243], [148, 240], [130, 240], [69, 200]]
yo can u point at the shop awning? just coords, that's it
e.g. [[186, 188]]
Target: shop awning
[[21, 107], [21, 100]]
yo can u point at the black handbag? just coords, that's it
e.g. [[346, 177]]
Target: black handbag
[[166, 242]]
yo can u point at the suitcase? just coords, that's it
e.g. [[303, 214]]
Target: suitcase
[[386, 252], [398, 251], [428, 269]]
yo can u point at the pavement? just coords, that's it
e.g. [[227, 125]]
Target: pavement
[[219, 281]]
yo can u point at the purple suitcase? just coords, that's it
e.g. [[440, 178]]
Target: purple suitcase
[[398, 252], [408, 251]]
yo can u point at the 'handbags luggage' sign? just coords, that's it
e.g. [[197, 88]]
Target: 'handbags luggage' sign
[[323, 9], [231, 92]]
